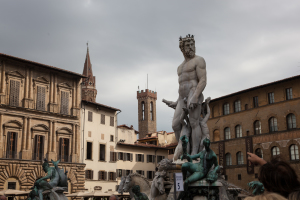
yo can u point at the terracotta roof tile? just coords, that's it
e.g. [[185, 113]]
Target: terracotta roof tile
[[102, 105], [41, 65]]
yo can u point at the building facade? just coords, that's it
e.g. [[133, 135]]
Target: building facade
[[263, 120], [39, 118], [99, 128]]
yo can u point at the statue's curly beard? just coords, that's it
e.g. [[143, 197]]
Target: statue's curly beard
[[189, 54]]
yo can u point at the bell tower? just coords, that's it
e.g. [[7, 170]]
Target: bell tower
[[89, 91], [146, 112]]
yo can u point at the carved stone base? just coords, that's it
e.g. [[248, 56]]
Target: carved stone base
[[28, 103], [53, 107]]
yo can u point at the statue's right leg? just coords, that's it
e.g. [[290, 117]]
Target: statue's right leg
[[176, 123]]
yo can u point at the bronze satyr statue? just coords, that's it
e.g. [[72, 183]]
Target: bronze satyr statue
[[58, 182], [137, 194], [192, 81], [200, 170]]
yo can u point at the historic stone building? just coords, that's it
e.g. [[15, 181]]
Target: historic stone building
[[146, 112], [39, 118], [263, 120]]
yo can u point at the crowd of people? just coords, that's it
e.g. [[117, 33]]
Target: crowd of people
[[278, 178]]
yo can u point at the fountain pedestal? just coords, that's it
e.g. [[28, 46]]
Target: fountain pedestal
[[202, 190]]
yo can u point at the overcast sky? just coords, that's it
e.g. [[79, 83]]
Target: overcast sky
[[244, 44]]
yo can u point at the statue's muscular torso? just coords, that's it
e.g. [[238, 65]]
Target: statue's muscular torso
[[187, 75]]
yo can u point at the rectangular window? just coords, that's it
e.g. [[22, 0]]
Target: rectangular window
[[139, 157], [102, 119], [102, 175], [120, 155], [237, 106], [119, 172], [271, 97], [112, 176], [111, 138], [226, 109], [11, 150], [113, 156], [102, 152], [89, 174], [171, 151], [90, 116], [64, 103], [38, 153], [255, 102], [239, 177], [141, 172], [112, 120], [159, 158], [14, 93], [89, 150], [64, 149], [11, 185], [150, 158], [40, 98], [150, 174], [289, 93]]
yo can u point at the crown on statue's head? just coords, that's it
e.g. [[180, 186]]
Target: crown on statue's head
[[188, 37]]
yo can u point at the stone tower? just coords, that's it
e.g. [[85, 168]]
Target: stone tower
[[89, 91], [146, 112]]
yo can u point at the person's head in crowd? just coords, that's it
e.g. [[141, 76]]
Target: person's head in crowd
[[267, 196], [113, 197], [294, 196], [278, 176], [3, 197]]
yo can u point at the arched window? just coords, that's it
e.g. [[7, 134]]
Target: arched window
[[216, 135], [226, 109], [275, 151], [291, 121], [237, 106], [259, 153], [151, 111], [294, 153], [228, 159], [227, 133], [239, 158], [257, 127], [273, 124], [238, 131], [143, 110]]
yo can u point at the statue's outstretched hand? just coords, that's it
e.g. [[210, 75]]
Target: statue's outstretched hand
[[170, 103]]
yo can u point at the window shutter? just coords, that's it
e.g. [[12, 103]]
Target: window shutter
[[115, 156], [111, 156], [102, 119], [143, 172], [136, 157], [60, 148], [119, 155], [8, 144], [148, 158], [64, 103], [105, 176], [153, 158], [40, 99], [14, 93], [92, 174], [131, 156], [42, 147], [111, 121], [131, 171], [124, 156], [34, 156], [143, 158], [123, 172], [114, 175]]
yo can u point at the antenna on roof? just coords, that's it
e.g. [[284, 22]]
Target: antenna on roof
[[87, 44]]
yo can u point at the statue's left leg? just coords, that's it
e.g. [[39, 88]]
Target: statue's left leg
[[40, 192], [193, 178], [194, 117]]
